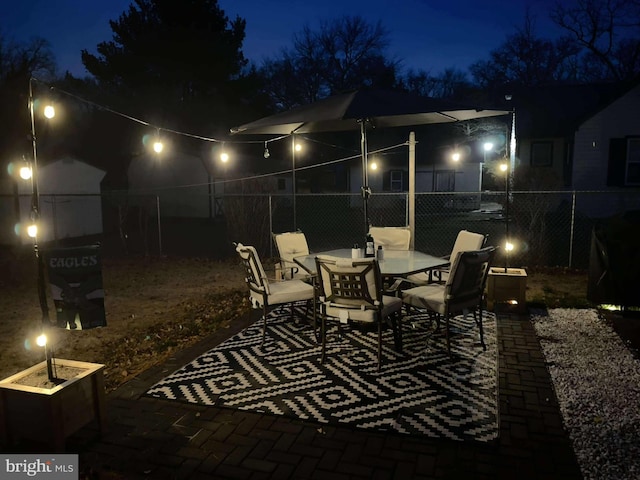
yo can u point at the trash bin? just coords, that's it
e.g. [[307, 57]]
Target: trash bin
[[614, 262], [75, 278]]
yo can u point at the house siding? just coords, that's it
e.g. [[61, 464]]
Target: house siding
[[591, 144]]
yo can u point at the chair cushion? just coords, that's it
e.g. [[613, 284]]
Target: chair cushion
[[285, 292], [389, 306], [419, 278], [391, 238], [426, 296]]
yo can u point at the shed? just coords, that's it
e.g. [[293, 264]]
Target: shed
[[70, 200]]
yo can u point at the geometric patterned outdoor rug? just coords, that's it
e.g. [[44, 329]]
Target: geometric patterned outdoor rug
[[418, 392]]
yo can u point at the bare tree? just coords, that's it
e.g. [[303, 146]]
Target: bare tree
[[343, 54], [18, 63], [25, 59], [527, 59], [609, 30], [451, 83]]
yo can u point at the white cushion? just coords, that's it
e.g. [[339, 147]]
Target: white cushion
[[389, 306], [426, 296], [419, 278], [291, 245], [285, 292], [391, 238]]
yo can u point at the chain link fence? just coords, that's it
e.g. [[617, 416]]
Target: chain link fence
[[548, 228]]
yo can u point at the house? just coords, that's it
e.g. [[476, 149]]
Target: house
[[569, 128], [587, 137]]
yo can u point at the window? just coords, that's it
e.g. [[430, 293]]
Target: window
[[541, 154], [395, 180], [632, 170]]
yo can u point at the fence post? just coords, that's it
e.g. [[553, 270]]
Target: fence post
[[270, 227], [406, 209], [573, 220], [159, 229]]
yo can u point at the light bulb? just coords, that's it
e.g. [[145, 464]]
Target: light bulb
[[374, 166], [41, 341], [32, 230], [49, 111], [25, 173], [158, 146], [455, 156], [508, 246], [266, 152], [224, 156], [503, 167], [298, 147], [488, 146]]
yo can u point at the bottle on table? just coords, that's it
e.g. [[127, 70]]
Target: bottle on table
[[369, 250]]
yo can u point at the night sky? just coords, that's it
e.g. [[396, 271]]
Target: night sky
[[425, 34]]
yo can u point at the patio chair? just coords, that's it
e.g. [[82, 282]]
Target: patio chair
[[463, 291], [464, 241], [291, 245], [350, 291], [263, 293], [391, 238]]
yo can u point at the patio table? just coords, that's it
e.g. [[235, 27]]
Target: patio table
[[399, 263]]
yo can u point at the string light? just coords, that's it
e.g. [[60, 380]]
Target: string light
[[32, 230], [266, 151], [25, 172], [41, 341], [157, 144], [49, 111], [224, 156]]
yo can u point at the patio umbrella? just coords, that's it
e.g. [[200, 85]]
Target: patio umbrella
[[361, 108]]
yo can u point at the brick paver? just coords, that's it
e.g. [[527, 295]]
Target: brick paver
[[151, 438]]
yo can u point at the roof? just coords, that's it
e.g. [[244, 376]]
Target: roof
[[558, 110]]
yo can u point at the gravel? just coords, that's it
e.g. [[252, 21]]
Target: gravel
[[597, 382]]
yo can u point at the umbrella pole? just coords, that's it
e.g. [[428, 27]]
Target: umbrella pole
[[365, 174]]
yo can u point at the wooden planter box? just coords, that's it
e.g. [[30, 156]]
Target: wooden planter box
[[49, 415], [507, 289]]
